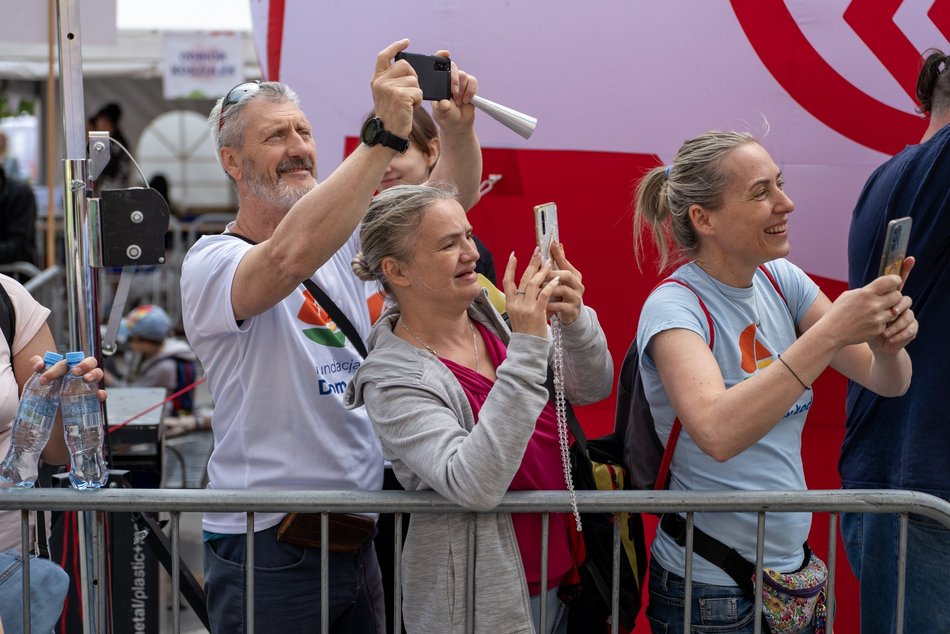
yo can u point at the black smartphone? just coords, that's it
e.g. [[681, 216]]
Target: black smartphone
[[545, 228], [434, 72], [895, 245]]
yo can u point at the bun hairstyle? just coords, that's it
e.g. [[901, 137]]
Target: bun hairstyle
[[665, 194], [390, 223], [933, 82], [361, 268]]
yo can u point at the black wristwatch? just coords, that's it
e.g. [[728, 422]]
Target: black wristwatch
[[373, 132]]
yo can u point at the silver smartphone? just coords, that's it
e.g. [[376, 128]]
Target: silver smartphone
[[545, 228], [895, 245]]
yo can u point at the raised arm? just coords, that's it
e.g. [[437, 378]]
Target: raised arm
[[461, 159], [324, 218], [725, 422]]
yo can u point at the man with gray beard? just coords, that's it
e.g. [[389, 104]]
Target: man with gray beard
[[263, 339]]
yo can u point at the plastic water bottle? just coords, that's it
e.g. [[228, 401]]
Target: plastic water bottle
[[31, 427], [82, 422]]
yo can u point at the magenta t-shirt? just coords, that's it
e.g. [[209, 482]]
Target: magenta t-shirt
[[540, 470]]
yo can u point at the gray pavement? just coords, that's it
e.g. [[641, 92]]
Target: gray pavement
[[186, 458]]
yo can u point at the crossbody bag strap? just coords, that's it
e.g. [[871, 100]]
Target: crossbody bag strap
[[336, 313], [713, 551]]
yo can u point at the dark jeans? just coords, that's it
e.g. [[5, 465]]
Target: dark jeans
[[714, 608], [871, 541], [287, 587]]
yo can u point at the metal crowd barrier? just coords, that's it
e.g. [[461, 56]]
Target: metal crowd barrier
[[399, 502], [47, 286]]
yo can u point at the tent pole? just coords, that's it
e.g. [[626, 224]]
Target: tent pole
[[50, 109], [81, 286]]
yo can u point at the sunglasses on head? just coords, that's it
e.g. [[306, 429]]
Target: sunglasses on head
[[235, 95]]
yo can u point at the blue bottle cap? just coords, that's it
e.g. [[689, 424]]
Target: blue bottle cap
[[52, 358], [72, 358]]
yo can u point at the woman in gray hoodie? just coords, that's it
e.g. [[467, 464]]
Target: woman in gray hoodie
[[443, 359]]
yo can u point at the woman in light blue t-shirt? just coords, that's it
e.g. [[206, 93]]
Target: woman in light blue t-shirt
[[739, 381]]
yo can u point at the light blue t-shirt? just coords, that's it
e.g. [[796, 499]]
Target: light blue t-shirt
[[741, 349]]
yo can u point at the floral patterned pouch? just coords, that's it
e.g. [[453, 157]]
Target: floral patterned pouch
[[792, 600]]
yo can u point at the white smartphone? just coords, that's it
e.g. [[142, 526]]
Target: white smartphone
[[545, 228], [895, 245]]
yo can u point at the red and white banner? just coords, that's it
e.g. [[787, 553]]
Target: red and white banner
[[827, 84]]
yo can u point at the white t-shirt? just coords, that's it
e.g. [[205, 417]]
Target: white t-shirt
[[774, 462], [277, 381], [30, 317]]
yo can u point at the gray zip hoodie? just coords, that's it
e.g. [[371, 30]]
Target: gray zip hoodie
[[428, 431]]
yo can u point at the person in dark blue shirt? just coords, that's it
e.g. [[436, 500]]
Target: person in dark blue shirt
[[904, 442]]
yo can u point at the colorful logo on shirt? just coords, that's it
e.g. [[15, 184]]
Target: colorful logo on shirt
[[324, 331], [755, 356]]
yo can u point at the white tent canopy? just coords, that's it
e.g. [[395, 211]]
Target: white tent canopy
[[135, 54]]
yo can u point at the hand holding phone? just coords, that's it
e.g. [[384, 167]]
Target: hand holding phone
[[546, 228], [434, 73], [895, 245]]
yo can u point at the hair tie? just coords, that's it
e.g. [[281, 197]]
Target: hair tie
[[668, 168]]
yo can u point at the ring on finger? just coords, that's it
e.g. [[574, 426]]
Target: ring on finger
[[519, 292]]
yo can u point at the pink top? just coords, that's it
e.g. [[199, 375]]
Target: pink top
[[540, 470], [30, 317]]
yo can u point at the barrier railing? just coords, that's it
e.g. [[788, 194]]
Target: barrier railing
[[48, 288], [543, 502]]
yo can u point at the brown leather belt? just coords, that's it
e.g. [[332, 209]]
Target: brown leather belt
[[347, 532]]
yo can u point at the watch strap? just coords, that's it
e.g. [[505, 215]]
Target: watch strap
[[390, 140]]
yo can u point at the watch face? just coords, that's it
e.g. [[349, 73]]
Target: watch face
[[371, 130]]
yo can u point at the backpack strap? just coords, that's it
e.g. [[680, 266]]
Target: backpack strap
[[7, 319], [769, 275], [663, 476], [335, 312]]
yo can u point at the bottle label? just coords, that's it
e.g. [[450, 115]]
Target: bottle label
[[88, 404], [36, 407]]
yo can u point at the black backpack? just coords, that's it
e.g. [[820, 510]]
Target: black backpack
[[597, 465]]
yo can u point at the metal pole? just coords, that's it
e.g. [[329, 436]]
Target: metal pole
[[80, 281], [80, 277], [50, 137]]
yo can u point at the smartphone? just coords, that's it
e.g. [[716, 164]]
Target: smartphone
[[434, 72], [895, 245], [545, 228]]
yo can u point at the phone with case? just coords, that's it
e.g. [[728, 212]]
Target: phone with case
[[895, 245], [434, 73], [546, 228]]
